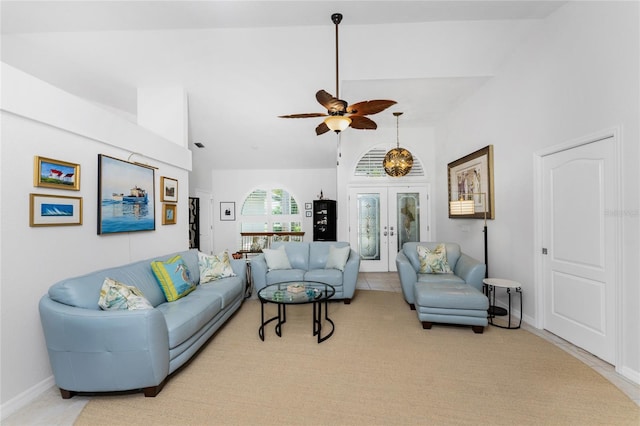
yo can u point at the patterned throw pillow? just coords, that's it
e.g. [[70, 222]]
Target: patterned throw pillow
[[276, 258], [337, 257], [173, 277], [214, 267], [433, 261], [115, 295]]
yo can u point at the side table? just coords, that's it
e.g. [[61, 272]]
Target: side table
[[510, 285]]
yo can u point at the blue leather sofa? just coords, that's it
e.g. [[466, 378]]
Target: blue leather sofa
[[92, 350], [308, 261], [452, 298]]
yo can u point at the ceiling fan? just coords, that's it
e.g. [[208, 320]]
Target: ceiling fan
[[340, 114]]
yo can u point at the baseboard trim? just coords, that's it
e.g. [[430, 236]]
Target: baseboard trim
[[26, 397]]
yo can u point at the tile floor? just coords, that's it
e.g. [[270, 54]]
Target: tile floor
[[49, 409]]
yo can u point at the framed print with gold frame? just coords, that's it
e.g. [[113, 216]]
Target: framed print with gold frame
[[169, 212], [54, 210], [471, 177], [50, 173], [169, 189]]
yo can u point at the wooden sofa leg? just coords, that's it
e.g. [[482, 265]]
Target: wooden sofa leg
[[66, 394], [426, 325], [478, 329], [412, 306], [153, 391], [347, 301]]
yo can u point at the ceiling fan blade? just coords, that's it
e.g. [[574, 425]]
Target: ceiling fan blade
[[331, 103], [361, 122], [322, 128], [369, 107], [307, 115]]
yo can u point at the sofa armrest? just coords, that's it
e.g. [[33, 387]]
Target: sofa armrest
[[102, 351], [472, 271], [259, 272], [408, 276], [350, 275], [239, 267]]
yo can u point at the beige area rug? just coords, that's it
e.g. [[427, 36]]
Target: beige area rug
[[379, 368]]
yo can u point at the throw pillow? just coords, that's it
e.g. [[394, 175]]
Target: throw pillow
[[433, 261], [276, 259], [173, 277], [214, 267], [115, 295], [337, 257]]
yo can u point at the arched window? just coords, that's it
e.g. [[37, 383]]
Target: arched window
[[267, 210], [370, 165]]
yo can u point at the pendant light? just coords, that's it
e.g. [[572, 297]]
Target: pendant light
[[398, 161]]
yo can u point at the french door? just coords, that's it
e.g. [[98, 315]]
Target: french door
[[382, 219]]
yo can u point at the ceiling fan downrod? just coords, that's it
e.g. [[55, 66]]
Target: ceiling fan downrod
[[336, 18]]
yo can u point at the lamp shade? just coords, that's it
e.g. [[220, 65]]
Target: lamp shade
[[337, 123], [397, 162], [460, 207]]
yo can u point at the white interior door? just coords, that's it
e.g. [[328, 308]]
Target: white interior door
[[381, 219], [579, 239]]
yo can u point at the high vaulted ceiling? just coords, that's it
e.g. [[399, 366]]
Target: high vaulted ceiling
[[244, 63]]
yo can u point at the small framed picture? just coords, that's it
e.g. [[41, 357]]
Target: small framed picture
[[169, 212], [54, 210], [307, 206], [227, 210], [308, 213], [169, 189], [49, 173]]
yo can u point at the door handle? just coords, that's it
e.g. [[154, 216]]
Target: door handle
[[384, 233]]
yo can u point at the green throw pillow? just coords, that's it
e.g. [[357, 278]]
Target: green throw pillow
[[115, 295], [173, 277], [433, 261], [214, 267]]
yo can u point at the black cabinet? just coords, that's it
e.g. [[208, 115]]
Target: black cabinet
[[324, 220]]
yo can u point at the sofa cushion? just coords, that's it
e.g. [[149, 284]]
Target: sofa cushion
[[337, 257], [440, 278], [284, 275], [319, 253], [174, 277], [115, 295], [328, 276], [297, 253], [214, 267], [276, 258], [433, 261], [187, 315]]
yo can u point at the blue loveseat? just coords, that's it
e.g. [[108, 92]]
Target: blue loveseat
[[308, 262], [92, 350]]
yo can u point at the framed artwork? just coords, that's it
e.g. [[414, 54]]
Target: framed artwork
[[50, 173], [169, 212], [54, 210], [307, 206], [227, 210], [471, 178], [126, 201], [169, 189], [308, 213]]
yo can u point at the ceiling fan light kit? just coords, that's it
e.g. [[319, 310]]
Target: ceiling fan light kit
[[398, 161], [340, 115]]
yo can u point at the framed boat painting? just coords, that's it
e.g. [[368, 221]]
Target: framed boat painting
[[126, 196], [54, 210]]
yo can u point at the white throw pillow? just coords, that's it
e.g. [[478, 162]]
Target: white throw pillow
[[337, 257], [276, 258]]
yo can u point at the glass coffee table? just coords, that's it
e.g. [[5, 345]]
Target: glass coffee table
[[297, 293]]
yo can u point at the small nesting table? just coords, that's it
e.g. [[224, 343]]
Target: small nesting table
[[512, 287]]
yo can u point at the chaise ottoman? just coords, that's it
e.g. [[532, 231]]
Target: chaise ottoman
[[450, 303]]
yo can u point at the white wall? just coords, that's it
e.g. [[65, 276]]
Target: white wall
[[577, 74], [235, 185], [38, 119]]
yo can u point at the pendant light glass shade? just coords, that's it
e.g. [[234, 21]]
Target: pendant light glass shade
[[398, 161], [337, 123]]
